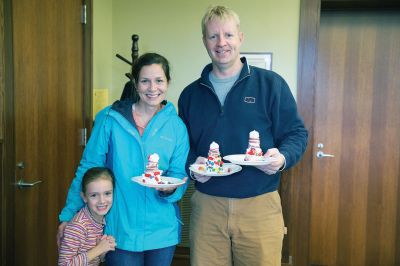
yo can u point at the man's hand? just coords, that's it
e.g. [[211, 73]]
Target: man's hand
[[60, 232], [198, 177], [276, 164]]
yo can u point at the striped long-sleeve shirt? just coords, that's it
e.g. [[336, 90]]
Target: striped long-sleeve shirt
[[80, 235]]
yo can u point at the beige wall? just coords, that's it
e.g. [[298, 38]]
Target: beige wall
[[172, 28], [102, 44]]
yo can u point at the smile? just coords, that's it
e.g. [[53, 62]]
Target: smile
[[152, 95], [102, 208], [222, 52]]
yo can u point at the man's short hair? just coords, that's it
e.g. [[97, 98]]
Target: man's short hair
[[219, 12]]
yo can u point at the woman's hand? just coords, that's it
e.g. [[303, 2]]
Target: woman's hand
[[60, 232], [170, 190]]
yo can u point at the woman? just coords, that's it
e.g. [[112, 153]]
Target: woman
[[144, 221]]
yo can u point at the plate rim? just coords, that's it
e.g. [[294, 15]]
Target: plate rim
[[250, 163], [180, 183], [238, 169]]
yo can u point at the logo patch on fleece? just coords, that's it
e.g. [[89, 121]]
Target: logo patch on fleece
[[166, 138], [249, 100]]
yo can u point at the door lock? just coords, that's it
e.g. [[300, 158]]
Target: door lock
[[320, 154]]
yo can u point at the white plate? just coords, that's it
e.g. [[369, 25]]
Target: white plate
[[228, 169], [239, 159], [172, 182]]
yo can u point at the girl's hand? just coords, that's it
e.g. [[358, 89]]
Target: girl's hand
[[106, 243]]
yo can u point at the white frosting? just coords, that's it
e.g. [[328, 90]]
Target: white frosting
[[214, 146], [254, 152], [154, 158], [254, 134]]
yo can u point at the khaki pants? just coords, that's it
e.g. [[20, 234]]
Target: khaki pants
[[240, 232]]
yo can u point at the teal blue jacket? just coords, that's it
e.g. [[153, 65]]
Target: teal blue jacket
[[141, 218]]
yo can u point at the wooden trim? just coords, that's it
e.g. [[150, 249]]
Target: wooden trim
[[182, 252], [181, 256], [2, 101], [7, 148], [359, 5], [88, 67], [299, 178], [2, 72]]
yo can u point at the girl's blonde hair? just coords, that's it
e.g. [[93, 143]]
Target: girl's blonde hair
[[97, 173]]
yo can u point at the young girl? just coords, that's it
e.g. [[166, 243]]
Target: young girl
[[83, 242]]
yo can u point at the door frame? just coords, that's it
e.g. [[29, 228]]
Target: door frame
[[7, 116], [7, 136], [297, 195]]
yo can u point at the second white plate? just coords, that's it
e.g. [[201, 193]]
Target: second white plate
[[228, 169], [239, 159]]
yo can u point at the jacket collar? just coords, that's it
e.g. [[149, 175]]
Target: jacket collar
[[208, 68], [124, 108], [92, 220]]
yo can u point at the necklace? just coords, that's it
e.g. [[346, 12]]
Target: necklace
[[140, 119]]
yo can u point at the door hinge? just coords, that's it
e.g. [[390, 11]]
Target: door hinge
[[83, 14], [289, 261], [83, 137]]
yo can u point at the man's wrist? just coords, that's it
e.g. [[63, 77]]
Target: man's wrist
[[284, 164]]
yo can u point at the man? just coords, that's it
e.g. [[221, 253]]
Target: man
[[237, 219]]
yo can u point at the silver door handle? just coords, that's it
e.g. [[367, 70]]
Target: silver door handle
[[22, 184], [321, 154]]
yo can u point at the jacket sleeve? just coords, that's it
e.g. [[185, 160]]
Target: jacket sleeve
[[94, 155], [290, 134], [178, 161], [71, 243]]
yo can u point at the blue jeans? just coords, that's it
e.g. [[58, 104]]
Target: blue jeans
[[154, 257]]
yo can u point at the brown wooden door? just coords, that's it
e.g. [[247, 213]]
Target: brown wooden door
[[48, 100], [354, 195]]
